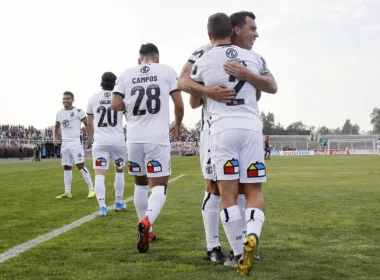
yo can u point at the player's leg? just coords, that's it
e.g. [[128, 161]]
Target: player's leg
[[78, 154], [211, 201], [119, 156], [157, 162], [225, 159], [66, 162], [252, 175], [101, 157], [136, 167]]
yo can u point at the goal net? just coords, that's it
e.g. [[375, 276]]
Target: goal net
[[349, 144]]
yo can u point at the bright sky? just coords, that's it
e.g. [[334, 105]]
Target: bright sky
[[323, 53]]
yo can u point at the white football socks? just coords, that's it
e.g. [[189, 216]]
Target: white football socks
[[255, 220], [210, 214], [68, 179], [87, 177], [241, 201], [231, 219], [140, 199], [156, 202], [100, 190], [119, 187]]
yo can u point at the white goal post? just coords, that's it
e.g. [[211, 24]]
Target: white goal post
[[350, 144]]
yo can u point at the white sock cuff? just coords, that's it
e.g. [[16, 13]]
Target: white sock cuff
[[211, 201], [141, 188], [68, 171], [100, 176], [157, 189], [230, 214], [119, 174], [254, 214], [84, 170]]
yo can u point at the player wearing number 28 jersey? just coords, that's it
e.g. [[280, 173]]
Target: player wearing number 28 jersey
[[144, 91], [109, 142]]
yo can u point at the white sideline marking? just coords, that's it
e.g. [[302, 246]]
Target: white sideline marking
[[15, 251]]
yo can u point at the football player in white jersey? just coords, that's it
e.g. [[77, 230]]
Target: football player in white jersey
[[143, 91], [69, 121], [105, 128], [236, 140], [378, 146], [245, 33]]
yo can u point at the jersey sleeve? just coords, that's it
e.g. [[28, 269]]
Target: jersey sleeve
[[57, 118], [198, 53], [263, 66], [173, 81], [119, 87], [196, 72], [81, 114]]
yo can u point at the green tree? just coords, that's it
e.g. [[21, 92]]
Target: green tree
[[375, 120]]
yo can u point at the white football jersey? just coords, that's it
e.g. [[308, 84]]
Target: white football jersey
[[70, 121], [146, 89], [108, 124], [197, 54], [243, 111]]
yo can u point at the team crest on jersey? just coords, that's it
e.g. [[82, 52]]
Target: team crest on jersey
[[119, 162], [107, 94], [153, 166], [72, 114], [100, 162], [231, 167], [256, 170], [145, 69], [231, 53], [65, 123], [133, 167]]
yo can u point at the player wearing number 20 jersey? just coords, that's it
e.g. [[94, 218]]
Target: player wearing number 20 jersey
[[146, 90], [109, 142]]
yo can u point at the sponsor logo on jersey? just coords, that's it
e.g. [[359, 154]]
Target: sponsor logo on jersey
[[72, 114], [153, 166], [107, 94], [144, 69], [119, 162], [101, 162], [65, 123], [133, 167], [256, 170], [231, 167], [231, 53]]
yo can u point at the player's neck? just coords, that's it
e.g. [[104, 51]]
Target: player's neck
[[69, 108], [222, 42]]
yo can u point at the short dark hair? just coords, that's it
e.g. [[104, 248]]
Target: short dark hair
[[69, 93], [149, 49], [108, 81], [219, 26], [238, 19]]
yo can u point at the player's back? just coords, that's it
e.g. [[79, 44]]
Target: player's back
[[108, 124], [209, 70], [147, 88]]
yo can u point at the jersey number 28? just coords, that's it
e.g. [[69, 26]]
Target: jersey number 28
[[153, 102]]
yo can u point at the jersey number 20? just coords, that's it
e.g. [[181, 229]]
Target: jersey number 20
[[103, 110], [153, 103]]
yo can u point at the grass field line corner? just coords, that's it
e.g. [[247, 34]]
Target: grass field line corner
[[15, 251]]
